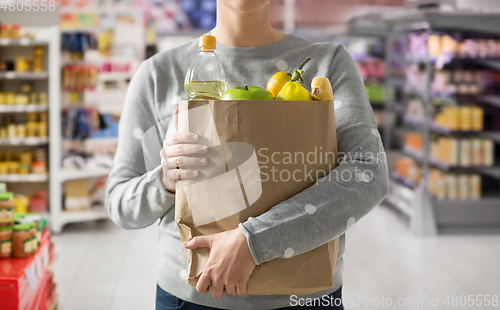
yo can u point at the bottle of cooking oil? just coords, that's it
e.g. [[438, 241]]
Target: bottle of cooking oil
[[205, 78]]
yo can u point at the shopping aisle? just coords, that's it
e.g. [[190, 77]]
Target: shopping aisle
[[100, 266], [384, 259]]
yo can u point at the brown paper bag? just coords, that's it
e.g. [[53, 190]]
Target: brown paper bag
[[239, 134]]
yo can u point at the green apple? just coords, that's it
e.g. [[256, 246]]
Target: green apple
[[247, 93]]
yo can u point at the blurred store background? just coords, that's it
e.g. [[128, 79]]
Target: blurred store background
[[432, 74]]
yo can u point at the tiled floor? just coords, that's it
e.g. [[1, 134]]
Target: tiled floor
[[101, 266]]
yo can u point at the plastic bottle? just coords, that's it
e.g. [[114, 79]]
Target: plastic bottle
[[205, 78]]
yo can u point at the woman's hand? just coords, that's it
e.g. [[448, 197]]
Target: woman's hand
[[229, 265], [173, 156]]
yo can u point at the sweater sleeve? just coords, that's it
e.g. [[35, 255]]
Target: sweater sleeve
[[325, 210], [135, 197]]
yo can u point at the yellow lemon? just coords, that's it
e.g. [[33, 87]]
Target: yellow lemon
[[294, 91], [277, 81]]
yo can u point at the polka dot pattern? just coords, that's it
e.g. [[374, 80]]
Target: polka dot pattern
[[282, 65], [138, 133], [309, 208], [350, 222], [174, 101], [363, 177], [288, 253], [183, 275]]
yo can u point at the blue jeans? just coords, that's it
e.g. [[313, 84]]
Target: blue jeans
[[167, 301]]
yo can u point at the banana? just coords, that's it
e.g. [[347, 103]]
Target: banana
[[321, 89]]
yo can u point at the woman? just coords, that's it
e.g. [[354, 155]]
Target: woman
[[250, 51]]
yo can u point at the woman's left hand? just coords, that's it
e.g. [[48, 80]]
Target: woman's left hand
[[229, 265]]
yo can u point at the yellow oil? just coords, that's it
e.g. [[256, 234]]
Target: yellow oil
[[205, 90]]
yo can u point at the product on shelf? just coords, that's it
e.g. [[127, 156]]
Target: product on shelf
[[464, 152], [373, 68], [442, 185], [33, 234], [115, 65], [6, 209], [408, 169], [77, 78], [20, 163], [31, 126], [25, 96], [21, 204], [23, 64], [413, 141], [78, 20], [448, 117], [22, 241], [35, 220], [5, 241], [453, 186], [444, 45], [375, 93], [38, 201], [460, 118], [453, 151], [20, 231], [10, 31], [77, 195], [447, 83]]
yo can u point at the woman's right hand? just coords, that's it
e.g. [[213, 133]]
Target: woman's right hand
[[174, 157]]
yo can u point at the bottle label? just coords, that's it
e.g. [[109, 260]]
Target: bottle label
[[5, 246], [5, 215], [27, 246]]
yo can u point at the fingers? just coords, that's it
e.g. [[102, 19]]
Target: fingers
[[230, 289], [217, 289], [176, 138], [179, 174], [198, 242], [183, 161], [184, 149], [203, 285], [241, 288]]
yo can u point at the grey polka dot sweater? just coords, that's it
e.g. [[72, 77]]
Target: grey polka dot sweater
[[134, 199]]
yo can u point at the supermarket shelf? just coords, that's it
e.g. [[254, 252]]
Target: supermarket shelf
[[493, 171], [83, 216], [410, 20], [24, 178], [485, 211], [398, 107], [491, 99], [98, 10], [495, 136], [22, 42], [23, 108], [24, 141], [68, 175], [491, 63], [10, 75], [400, 204], [410, 184], [79, 29], [114, 76]]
